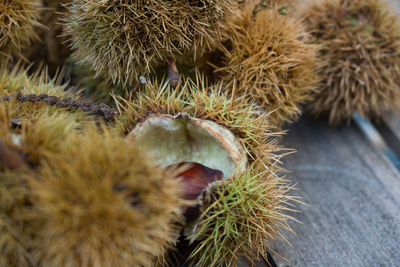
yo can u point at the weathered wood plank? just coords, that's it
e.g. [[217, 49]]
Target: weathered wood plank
[[392, 119], [389, 127], [390, 124], [354, 197]]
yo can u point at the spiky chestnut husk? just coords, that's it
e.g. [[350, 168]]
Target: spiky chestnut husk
[[28, 142], [52, 49], [18, 81], [16, 84], [25, 146], [14, 198], [37, 94], [282, 6], [252, 131], [101, 202], [97, 87], [30, 133], [22, 244], [360, 43], [17, 21], [269, 58], [212, 103], [126, 38], [231, 212], [32, 98], [189, 63]]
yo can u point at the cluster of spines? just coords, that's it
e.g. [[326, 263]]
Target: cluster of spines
[[136, 205], [238, 114], [121, 211], [69, 103], [127, 40], [268, 56], [256, 187], [233, 112], [360, 48], [17, 22], [52, 49], [240, 217]]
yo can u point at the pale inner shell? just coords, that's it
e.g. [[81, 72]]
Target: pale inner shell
[[181, 138]]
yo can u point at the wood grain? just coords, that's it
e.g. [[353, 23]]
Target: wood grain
[[354, 197], [389, 127], [353, 192]]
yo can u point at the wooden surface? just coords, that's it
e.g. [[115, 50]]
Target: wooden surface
[[353, 192], [389, 127], [354, 195]]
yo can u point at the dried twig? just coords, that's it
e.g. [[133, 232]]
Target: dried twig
[[102, 110], [142, 80], [173, 73]]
